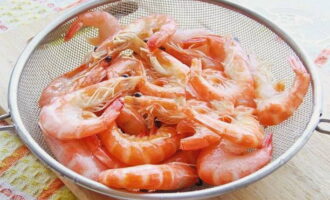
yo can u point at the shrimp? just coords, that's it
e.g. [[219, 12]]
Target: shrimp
[[189, 157], [170, 176], [78, 78], [107, 25], [189, 44], [216, 88], [148, 88], [238, 67], [131, 122], [75, 155], [166, 110], [217, 167], [275, 106], [72, 116], [155, 28], [242, 129], [125, 66], [134, 150], [201, 136]]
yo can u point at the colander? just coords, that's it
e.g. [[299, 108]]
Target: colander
[[47, 56]]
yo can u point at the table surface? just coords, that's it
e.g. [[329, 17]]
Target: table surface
[[307, 175]]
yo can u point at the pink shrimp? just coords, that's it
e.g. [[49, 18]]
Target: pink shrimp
[[107, 25], [134, 150], [242, 129], [217, 167], [78, 78], [275, 106], [170, 176], [72, 116]]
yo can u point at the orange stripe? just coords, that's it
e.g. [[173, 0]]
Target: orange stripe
[[51, 189], [13, 158]]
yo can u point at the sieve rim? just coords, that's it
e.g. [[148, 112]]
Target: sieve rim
[[204, 193]]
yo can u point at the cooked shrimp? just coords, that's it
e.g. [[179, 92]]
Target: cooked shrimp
[[242, 129], [237, 66], [181, 47], [75, 155], [72, 116], [171, 176], [156, 28], [131, 122], [134, 150], [166, 110], [165, 91], [78, 78], [216, 87], [200, 138], [275, 106], [107, 25], [125, 67], [189, 157], [216, 167]]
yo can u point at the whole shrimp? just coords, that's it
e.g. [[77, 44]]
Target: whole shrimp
[[216, 166], [135, 150], [274, 105], [107, 25], [214, 86], [78, 78], [170, 176], [72, 116], [156, 28], [242, 128]]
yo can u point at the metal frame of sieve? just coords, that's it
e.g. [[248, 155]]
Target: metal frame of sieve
[[35, 147]]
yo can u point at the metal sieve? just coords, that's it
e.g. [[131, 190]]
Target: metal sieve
[[47, 56]]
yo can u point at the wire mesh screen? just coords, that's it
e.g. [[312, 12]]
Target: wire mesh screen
[[54, 57]]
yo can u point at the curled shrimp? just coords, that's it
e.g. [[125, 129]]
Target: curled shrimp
[[135, 150], [213, 87], [72, 116], [170, 176], [242, 128], [76, 155], [275, 105], [156, 28], [200, 138], [216, 166], [107, 25], [78, 78]]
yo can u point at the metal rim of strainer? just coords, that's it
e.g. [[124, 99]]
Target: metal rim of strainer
[[204, 193]]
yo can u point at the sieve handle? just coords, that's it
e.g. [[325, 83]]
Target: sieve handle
[[6, 126], [321, 130]]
